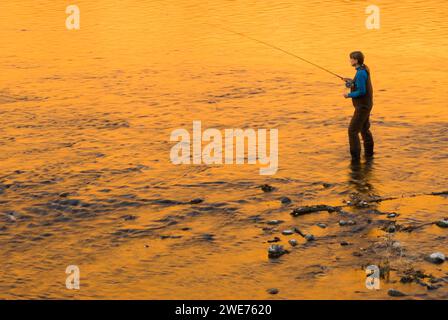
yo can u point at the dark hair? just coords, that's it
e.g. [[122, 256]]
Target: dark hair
[[359, 56]]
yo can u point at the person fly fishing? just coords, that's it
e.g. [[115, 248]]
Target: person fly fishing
[[361, 93]]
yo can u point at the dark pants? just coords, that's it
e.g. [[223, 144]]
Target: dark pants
[[360, 124]]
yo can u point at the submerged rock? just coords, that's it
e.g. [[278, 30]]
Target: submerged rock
[[309, 237], [272, 290], [321, 225], [395, 293], [436, 257], [276, 251], [267, 188], [293, 242], [287, 232], [285, 200]]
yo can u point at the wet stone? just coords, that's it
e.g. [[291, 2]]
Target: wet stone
[[309, 237], [276, 251], [392, 215], [285, 200], [436, 258], [274, 222], [395, 293], [287, 232], [442, 223], [344, 243], [293, 242], [267, 188], [272, 291], [321, 225]]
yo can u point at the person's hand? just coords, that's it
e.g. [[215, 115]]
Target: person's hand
[[345, 95]]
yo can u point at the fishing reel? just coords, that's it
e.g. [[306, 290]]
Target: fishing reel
[[349, 83]]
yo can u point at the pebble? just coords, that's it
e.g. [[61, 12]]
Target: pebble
[[392, 215], [442, 223], [267, 188], [274, 222], [347, 223], [287, 232], [272, 290], [293, 242], [309, 237], [436, 257], [276, 251], [395, 293], [321, 225], [285, 200], [344, 243]]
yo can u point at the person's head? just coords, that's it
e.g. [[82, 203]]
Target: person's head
[[356, 58]]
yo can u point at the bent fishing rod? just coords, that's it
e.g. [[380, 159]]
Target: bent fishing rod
[[348, 84]]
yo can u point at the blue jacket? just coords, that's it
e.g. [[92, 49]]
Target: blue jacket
[[361, 78]]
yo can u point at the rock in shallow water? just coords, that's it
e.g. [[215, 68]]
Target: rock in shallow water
[[436, 257], [442, 223], [274, 222], [309, 237], [267, 188], [285, 200], [276, 251], [272, 290], [395, 293], [293, 242], [287, 232]]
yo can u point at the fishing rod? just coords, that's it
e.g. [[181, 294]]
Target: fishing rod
[[284, 51]]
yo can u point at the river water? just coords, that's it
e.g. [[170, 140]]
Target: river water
[[85, 171]]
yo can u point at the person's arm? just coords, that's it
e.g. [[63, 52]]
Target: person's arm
[[361, 81]]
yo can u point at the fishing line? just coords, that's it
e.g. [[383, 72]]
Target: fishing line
[[279, 49]]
